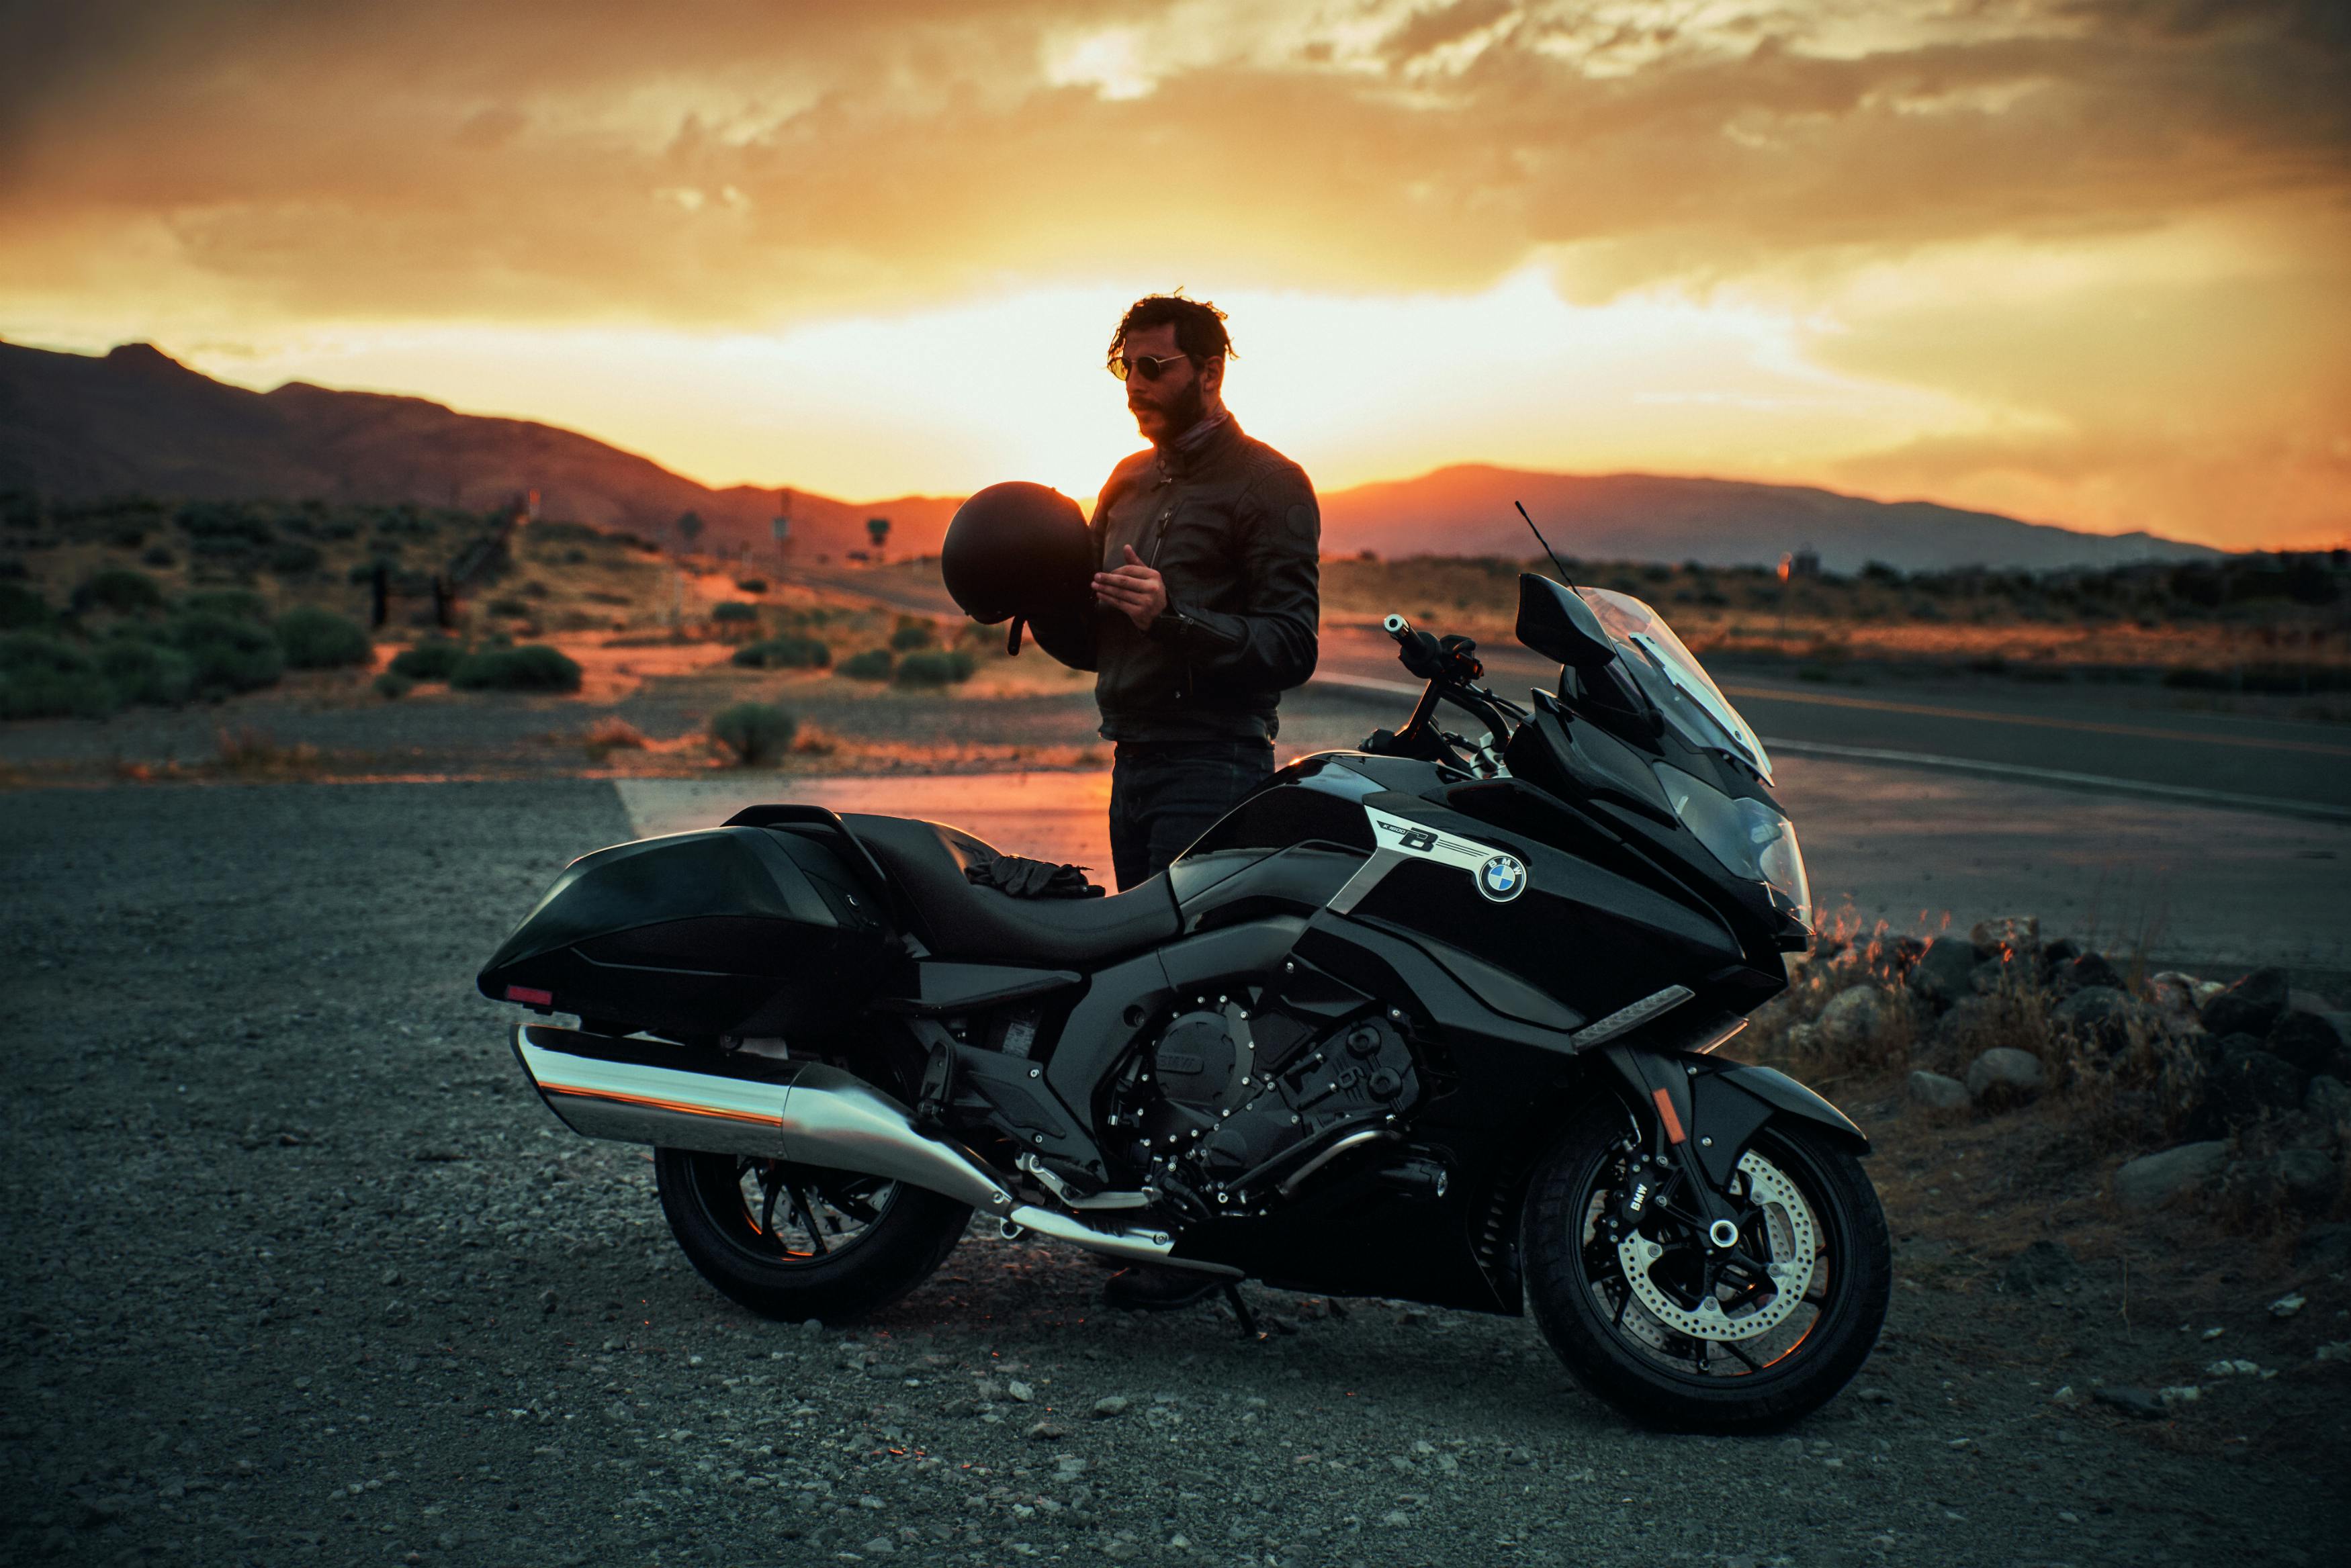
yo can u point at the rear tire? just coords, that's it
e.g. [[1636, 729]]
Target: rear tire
[[1659, 1376], [714, 1205]]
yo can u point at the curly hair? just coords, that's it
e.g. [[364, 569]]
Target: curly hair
[[1199, 326]]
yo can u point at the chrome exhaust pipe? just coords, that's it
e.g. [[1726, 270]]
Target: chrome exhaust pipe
[[805, 1111]]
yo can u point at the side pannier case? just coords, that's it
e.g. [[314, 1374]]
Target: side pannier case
[[729, 930]]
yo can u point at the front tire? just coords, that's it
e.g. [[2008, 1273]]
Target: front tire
[[798, 1241], [1744, 1355]]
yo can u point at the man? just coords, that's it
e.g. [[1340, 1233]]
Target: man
[[1208, 588], [1209, 596]]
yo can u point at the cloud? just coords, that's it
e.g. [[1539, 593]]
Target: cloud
[[387, 156]]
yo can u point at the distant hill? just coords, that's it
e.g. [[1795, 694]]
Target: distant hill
[[89, 426], [83, 427], [1466, 510]]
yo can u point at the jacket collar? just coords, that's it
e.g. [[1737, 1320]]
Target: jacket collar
[[1178, 462]]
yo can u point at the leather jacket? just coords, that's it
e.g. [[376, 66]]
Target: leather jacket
[[1233, 527]]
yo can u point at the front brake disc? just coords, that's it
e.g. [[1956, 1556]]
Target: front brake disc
[[1788, 1232]]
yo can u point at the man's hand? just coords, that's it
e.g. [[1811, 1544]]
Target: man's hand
[[1134, 590]]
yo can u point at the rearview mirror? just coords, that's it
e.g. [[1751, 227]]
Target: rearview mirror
[[1556, 623]]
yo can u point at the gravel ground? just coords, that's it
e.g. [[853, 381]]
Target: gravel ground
[[302, 1274]]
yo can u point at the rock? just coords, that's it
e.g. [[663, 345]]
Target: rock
[[2300, 1001], [2326, 1247], [2099, 1013], [2045, 1265], [1989, 976], [1115, 1405], [2091, 970], [2155, 1178], [2328, 1099], [1045, 1432], [1937, 1092], [2249, 1007], [1851, 1019], [1019, 1390], [2131, 1401], [1939, 978], [2004, 1075], [2008, 933], [2175, 996], [2313, 1042], [2289, 1304], [2206, 990], [2250, 1084], [2054, 957], [2306, 1175], [1972, 1023]]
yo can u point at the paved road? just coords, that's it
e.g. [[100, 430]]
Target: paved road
[[2127, 740]]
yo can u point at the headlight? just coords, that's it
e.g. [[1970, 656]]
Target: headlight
[[1750, 838]]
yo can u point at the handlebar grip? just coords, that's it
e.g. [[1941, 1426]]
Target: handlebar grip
[[1397, 627]]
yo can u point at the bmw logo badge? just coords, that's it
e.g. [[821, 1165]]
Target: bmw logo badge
[[1502, 879]]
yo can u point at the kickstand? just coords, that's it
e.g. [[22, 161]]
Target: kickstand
[[1250, 1329]]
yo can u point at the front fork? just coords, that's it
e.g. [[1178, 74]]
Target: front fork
[[1698, 1124]]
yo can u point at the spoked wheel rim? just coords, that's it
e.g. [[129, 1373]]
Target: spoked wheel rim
[[789, 1216], [1711, 1316]]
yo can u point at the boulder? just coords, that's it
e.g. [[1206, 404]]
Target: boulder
[[2313, 1042], [2326, 1247], [2327, 1099], [2155, 1178], [2175, 997], [1937, 1092], [2306, 1178], [1851, 1019], [2044, 1266], [2055, 956], [1989, 976], [2100, 1013], [1939, 978], [1971, 1024], [2090, 969], [2004, 1075], [2249, 1007], [2007, 933], [2250, 1084]]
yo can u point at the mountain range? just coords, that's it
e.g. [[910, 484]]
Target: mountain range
[[83, 428]]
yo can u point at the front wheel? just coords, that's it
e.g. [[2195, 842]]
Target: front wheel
[[1679, 1334], [799, 1242]]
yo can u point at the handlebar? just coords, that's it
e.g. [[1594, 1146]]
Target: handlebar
[[1451, 667]]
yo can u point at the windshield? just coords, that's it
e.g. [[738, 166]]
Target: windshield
[[1674, 679]]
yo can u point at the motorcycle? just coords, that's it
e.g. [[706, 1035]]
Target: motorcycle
[[1437, 1019]]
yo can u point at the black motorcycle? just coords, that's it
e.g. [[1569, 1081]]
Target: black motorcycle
[[1433, 1020]]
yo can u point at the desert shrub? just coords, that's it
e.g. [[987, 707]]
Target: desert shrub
[[141, 670], [933, 666], [613, 734], [392, 685], [243, 604], [295, 559], [754, 732], [912, 632], [46, 677], [230, 653], [158, 555], [431, 659], [22, 610], [784, 653], [736, 610], [874, 664], [317, 638], [532, 667], [752, 584], [512, 609], [119, 589]]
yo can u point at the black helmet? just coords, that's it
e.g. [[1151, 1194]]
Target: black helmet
[[1019, 552]]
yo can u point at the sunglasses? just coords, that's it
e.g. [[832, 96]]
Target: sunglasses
[[1150, 367]]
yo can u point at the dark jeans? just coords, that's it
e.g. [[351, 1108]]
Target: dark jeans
[[1165, 794]]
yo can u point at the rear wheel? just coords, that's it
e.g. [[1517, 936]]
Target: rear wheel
[[796, 1241], [1675, 1333]]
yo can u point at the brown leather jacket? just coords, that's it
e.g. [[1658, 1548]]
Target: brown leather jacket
[[1233, 529]]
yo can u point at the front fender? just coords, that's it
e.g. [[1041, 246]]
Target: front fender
[[1722, 1105]]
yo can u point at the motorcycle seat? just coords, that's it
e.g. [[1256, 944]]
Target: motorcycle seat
[[960, 920]]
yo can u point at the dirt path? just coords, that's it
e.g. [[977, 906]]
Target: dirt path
[[301, 1274]]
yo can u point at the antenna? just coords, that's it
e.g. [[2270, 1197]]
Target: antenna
[[1565, 576]]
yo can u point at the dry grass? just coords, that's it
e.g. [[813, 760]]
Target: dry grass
[[251, 752]]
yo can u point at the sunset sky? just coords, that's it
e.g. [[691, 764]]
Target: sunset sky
[[2085, 261]]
